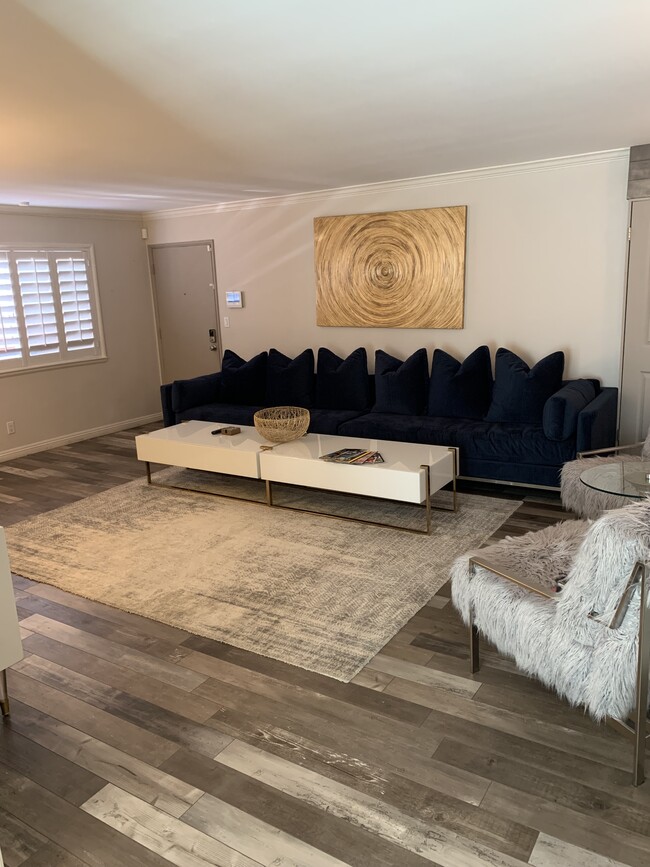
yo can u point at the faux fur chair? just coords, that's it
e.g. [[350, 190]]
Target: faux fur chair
[[584, 501], [582, 640]]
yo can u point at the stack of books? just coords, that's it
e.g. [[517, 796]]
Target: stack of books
[[353, 456]]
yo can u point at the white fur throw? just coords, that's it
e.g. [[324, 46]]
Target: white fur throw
[[553, 639], [587, 502], [582, 500]]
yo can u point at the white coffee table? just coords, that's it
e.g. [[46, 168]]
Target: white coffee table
[[411, 472]]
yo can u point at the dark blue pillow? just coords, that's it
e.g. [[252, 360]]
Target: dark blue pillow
[[342, 383], [290, 381], [243, 382], [520, 392], [401, 386], [561, 411], [460, 390]]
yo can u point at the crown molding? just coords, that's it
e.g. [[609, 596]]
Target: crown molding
[[70, 213], [422, 182]]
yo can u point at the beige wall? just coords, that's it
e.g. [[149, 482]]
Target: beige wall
[[545, 263], [68, 403]]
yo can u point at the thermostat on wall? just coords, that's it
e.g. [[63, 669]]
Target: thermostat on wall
[[234, 299]]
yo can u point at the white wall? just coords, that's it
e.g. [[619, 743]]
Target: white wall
[[64, 404], [544, 271]]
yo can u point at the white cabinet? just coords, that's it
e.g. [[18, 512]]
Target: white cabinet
[[11, 649]]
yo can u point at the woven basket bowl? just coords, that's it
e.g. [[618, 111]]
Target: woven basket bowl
[[281, 424]]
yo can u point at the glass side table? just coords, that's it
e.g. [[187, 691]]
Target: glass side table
[[625, 478]]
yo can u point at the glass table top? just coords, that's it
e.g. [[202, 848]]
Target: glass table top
[[625, 478]]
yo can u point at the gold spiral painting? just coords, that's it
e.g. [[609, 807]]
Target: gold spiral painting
[[400, 269]]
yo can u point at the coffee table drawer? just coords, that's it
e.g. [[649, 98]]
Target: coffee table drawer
[[387, 481], [192, 445]]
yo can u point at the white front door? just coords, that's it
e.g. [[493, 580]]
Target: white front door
[[635, 386], [186, 309]]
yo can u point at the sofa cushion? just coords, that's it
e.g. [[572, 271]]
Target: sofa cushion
[[401, 386], [186, 393], [342, 383], [328, 421], [520, 392], [243, 382], [460, 390], [561, 410], [383, 426], [495, 441], [290, 380], [229, 413]]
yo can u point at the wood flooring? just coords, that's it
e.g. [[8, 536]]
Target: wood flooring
[[132, 743]]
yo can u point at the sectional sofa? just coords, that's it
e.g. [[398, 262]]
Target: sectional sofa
[[520, 425]]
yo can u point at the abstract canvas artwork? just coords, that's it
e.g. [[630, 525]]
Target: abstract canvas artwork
[[400, 269]]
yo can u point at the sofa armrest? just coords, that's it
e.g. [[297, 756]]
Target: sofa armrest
[[169, 417], [188, 393], [597, 422], [561, 410]]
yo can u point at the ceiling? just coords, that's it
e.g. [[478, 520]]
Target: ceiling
[[153, 104]]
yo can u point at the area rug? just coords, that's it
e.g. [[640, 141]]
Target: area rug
[[322, 594]]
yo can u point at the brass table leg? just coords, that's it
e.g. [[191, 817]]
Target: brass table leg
[[454, 450], [454, 502], [427, 507], [155, 484], [427, 474]]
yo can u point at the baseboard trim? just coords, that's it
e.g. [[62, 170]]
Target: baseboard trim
[[77, 437]]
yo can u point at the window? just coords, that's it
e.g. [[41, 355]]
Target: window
[[49, 312]]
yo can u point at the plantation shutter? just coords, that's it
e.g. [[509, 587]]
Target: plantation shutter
[[37, 298], [72, 276], [48, 307], [10, 343]]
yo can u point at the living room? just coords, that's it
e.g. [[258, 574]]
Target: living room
[[379, 746]]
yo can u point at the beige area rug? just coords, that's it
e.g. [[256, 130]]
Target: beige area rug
[[322, 594]]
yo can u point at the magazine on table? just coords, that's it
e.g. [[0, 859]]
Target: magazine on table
[[353, 456]]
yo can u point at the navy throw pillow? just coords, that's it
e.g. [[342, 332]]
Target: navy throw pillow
[[290, 381], [342, 383], [561, 411], [520, 392], [460, 390], [243, 382], [401, 386]]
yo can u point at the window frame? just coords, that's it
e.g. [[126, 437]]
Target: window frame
[[64, 357]]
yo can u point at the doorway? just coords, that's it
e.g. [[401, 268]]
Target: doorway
[[187, 312]]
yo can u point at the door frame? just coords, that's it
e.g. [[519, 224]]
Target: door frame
[[624, 319], [154, 292], [628, 252]]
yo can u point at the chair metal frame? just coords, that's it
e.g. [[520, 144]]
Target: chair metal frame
[[635, 729], [4, 697], [609, 450]]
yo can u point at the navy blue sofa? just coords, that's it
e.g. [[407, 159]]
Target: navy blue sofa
[[521, 428]]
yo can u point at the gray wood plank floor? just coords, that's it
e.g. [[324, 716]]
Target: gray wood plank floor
[[134, 743]]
